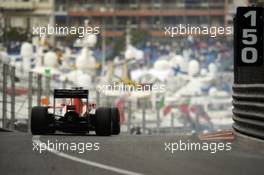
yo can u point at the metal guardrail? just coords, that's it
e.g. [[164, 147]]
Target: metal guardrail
[[248, 102]]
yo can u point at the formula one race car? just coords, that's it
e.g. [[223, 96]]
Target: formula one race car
[[77, 116]]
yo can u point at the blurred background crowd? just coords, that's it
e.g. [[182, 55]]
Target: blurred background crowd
[[130, 49]]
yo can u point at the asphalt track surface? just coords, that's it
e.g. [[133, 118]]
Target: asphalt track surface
[[126, 154]]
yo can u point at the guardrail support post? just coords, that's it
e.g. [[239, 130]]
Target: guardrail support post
[[172, 123], [47, 88], [107, 101], [129, 117], [144, 119], [97, 98], [5, 70], [13, 94], [39, 87], [158, 118], [30, 77], [64, 86]]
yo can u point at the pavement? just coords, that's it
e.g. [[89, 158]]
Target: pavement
[[128, 154]]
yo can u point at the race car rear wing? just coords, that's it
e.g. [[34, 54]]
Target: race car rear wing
[[70, 93]]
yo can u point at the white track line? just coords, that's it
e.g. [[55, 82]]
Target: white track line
[[37, 141]]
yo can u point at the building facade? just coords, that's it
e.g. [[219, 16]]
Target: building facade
[[25, 13], [151, 15]]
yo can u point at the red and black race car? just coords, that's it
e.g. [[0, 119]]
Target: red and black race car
[[78, 116]]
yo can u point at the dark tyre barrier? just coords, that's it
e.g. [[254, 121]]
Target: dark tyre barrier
[[248, 111], [248, 88]]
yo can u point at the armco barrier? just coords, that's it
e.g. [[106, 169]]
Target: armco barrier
[[248, 88]]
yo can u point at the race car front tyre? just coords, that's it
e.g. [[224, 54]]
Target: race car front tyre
[[115, 121], [39, 120], [103, 122]]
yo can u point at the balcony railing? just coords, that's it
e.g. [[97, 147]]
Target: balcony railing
[[143, 6], [24, 5]]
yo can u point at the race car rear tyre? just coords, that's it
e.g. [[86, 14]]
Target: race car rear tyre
[[51, 120], [115, 121], [103, 122], [39, 120]]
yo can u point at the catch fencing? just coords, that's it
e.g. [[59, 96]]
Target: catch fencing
[[22, 89]]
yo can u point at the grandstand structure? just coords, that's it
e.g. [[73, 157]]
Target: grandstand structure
[[150, 15]]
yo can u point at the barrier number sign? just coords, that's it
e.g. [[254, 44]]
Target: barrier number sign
[[249, 36]]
